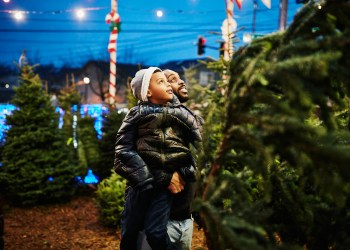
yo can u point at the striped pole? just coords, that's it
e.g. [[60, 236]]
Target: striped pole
[[113, 18], [230, 25]]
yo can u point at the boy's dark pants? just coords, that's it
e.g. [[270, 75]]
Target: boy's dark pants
[[148, 210]]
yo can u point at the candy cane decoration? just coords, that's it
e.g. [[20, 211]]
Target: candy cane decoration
[[113, 18], [229, 25]]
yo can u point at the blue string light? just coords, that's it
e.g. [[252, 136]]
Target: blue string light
[[97, 111], [90, 178], [5, 109]]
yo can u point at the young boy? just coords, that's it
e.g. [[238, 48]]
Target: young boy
[[152, 146], [180, 223]]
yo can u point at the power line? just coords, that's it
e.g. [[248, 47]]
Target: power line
[[97, 31], [40, 41], [103, 22]]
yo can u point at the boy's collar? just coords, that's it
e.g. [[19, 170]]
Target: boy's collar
[[175, 102], [169, 104]]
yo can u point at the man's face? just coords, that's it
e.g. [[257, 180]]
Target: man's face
[[178, 85]]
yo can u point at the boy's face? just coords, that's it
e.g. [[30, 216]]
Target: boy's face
[[178, 85], [159, 90]]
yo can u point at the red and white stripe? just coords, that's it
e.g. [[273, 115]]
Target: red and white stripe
[[113, 16], [229, 25], [229, 9]]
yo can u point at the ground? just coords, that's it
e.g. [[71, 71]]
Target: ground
[[74, 225]]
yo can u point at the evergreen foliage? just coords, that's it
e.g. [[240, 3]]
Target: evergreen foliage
[[110, 199], [279, 174], [111, 124], [35, 165], [131, 99], [69, 97], [88, 150], [80, 132]]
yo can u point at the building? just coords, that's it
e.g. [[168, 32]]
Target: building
[[93, 79], [6, 88]]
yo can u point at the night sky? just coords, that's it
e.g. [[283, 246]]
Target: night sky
[[52, 34]]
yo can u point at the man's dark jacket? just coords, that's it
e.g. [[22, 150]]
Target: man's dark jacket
[[153, 142]]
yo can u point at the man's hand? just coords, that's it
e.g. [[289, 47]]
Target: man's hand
[[176, 184]]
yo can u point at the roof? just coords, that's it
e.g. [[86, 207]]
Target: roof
[[179, 65]]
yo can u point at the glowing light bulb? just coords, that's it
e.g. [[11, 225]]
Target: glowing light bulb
[[159, 13], [80, 13], [86, 80], [6, 1], [18, 15]]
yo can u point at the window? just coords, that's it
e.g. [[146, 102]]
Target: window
[[206, 78]]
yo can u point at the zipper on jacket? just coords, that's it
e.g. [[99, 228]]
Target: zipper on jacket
[[163, 139]]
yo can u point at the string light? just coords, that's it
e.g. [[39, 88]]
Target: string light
[[80, 13], [18, 15], [159, 13], [54, 12], [86, 80]]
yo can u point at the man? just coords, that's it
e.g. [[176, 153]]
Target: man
[[177, 84], [180, 224], [1, 224]]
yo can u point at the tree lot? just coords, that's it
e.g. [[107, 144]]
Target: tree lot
[[274, 174]]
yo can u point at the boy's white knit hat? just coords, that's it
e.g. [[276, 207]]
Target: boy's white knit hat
[[140, 83]]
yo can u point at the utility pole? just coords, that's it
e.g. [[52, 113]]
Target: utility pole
[[254, 15], [228, 27], [282, 21]]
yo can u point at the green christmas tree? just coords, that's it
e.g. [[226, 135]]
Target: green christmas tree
[[68, 98], [279, 176], [35, 165], [80, 132], [111, 124], [88, 145]]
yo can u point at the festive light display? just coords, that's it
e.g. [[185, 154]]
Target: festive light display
[[61, 112], [90, 178], [96, 111], [159, 13], [5, 109], [54, 12]]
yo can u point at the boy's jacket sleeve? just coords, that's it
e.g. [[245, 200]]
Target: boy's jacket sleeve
[[127, 162]]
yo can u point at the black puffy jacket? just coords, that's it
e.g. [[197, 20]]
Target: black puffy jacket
[[153, 142]]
